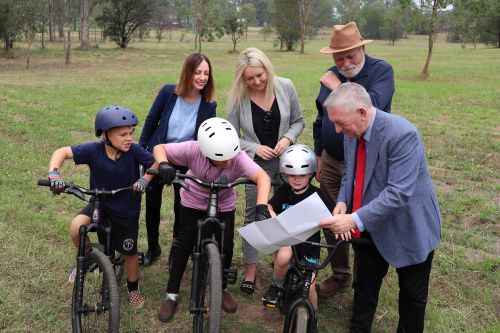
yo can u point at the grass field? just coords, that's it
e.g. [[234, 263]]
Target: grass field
[[52, 105]]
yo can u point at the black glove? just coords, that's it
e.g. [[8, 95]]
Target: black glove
[[167, 173], [262, 213]]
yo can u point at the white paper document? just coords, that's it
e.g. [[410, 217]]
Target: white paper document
[[292, 226]]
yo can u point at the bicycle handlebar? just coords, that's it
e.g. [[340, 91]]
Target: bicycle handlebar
[[79, 191], [179, 177], [318, 265]]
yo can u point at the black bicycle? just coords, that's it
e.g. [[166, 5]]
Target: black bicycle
[[294, 303], [208, 257], [95, 301]]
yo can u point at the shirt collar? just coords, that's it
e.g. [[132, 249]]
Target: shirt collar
[[368, 133]]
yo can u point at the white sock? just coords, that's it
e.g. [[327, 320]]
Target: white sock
[[172, 297]]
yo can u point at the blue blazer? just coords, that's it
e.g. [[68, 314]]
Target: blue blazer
[[155, 127], [400, 207]]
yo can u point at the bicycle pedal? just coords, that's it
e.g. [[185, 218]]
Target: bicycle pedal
[[270, 305], [230, 275]]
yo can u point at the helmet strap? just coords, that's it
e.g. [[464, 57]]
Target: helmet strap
[[108, 143]]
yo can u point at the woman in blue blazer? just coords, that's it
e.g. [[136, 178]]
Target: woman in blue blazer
[[175, 116]]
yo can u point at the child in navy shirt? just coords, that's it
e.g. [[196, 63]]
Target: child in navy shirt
[[113, 163]]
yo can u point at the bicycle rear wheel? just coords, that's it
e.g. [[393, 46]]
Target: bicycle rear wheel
[[211, 291], [299, 320], [96, 308]]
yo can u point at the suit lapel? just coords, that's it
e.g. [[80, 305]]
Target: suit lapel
[[371, 148]]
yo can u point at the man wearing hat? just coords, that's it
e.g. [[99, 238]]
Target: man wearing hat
[[377, 77]]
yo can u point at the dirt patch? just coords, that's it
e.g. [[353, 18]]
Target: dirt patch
[[253, 313]]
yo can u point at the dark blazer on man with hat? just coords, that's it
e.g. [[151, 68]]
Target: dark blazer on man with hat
[[377, 77]]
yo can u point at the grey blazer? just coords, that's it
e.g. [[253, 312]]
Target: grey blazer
[[400, 207], [291, 124]]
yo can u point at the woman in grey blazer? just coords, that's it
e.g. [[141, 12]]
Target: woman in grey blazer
[[265, 110]]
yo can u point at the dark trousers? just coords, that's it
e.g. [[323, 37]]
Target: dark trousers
[[331, 177], [413, 290], [186, 238], [153, 208]]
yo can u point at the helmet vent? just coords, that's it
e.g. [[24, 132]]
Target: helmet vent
[[289, 166], [218, 154], [211, 135], [124, 118], [206, 129], [236, 148], [304, 166]]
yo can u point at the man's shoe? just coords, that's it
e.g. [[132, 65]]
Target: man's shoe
[[333, 285], [151, 255], [167, 310], [229, 304]]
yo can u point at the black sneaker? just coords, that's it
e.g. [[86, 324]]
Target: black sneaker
[[272, 296]]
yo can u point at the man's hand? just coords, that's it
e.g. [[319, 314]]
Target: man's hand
[[340, 208], [341, 225], [330, 80]]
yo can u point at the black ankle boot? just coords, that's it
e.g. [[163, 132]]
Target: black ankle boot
[[152, 254]]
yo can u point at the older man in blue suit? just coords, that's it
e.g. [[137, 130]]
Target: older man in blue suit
[[397, 208]]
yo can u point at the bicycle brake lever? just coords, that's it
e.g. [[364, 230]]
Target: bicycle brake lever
[[182, 183], [75, 192]]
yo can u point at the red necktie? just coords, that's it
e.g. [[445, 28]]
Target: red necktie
[[360, 181]]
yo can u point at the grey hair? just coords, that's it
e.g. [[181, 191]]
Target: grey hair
[[350, 96]]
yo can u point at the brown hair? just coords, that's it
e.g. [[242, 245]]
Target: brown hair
[[185, 81]]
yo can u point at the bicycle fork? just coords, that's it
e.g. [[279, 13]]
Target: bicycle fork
[[301, 299]]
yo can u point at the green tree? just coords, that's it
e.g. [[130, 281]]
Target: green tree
[[247, 15], [262, 11], [123, 17], [475, 21], [429, 10], [398, 20], [286, 22], [235, 28], [373, 19]]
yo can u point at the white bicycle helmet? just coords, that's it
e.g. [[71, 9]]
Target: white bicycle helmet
[[298, 159], [218, 139]]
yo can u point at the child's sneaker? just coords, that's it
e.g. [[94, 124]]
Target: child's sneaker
[[72, 275], [272, 296], [135, 299]]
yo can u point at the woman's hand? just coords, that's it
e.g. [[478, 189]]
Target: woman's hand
[[266, 153], [282, 145]]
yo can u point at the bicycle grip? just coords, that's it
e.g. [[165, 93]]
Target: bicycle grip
[[152, 172], [43, 182]]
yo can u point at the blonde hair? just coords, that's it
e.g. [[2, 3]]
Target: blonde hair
[[250, 57]]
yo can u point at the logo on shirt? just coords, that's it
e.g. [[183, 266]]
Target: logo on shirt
[[285, 206], [223, 178], [128, 244]]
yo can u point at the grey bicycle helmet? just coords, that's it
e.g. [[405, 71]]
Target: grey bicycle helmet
[[298, 159], [113, 116]]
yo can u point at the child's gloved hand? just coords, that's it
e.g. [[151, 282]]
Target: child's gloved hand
[[140, 186], [262, 213], [57, 184], [167, 173]]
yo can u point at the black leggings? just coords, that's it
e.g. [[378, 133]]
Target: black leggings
[[186, 238], [153, 206]]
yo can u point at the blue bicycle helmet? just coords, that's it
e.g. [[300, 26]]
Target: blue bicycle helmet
[[113, 116]]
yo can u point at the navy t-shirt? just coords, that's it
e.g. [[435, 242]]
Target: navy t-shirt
[[108, 174]]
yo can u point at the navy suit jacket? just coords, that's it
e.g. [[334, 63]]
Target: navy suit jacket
[[155, 127], [400, 207]]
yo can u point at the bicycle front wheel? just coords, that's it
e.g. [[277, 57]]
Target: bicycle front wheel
[[298, 323], [96, 303], [211, 291]]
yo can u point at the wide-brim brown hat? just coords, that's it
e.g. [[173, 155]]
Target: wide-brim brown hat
[[345, 37]]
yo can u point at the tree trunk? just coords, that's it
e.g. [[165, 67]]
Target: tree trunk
[[51, 20], [67, 48], [85, 42], [304, 14], [424, 75]]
